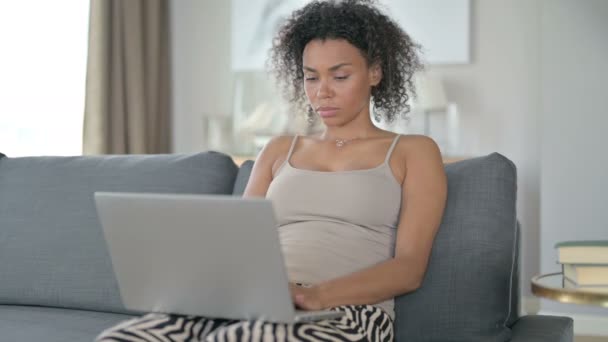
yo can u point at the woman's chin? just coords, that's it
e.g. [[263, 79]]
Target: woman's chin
[[330, 121]]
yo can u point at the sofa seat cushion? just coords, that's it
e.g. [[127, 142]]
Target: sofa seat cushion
[[52, 249], [32, 323]]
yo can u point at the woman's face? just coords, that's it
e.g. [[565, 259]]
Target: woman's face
[[337, 80]]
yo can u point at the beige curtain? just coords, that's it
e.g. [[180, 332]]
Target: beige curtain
[[127, 85]]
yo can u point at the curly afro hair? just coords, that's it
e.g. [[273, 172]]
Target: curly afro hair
[[362, 24]]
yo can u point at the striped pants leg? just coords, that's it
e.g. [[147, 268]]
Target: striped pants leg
[[364, 323]]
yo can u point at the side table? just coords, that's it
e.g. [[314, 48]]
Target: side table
[[552, 286]]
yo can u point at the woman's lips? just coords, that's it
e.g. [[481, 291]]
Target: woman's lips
[[326, 112]]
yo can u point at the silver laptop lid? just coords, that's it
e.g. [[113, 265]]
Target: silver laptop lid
[[204, 255]]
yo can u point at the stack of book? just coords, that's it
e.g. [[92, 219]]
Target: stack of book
[[584, 264]]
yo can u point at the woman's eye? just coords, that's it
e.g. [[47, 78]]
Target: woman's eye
[[310, 78], [341, 77]]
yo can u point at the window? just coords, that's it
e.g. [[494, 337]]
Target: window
[[42, 76]]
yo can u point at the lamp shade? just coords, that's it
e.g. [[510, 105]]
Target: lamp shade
[[430, 92]]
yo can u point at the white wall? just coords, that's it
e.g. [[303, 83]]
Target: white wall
[[574, 117]]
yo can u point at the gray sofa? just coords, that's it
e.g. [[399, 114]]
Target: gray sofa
[[57, 284]]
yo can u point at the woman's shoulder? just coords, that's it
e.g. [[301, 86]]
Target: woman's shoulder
[[278, 144], [274, 151], [413, 141], [413, 147], [408, 142]]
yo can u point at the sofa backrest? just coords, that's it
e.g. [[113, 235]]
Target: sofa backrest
[[242, 178], [52, 250]]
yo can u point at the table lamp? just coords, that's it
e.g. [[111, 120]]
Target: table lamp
[[430, 97]]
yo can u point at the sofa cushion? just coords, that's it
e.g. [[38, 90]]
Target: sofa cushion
[[465, 294], [31, 323], [52, 249]]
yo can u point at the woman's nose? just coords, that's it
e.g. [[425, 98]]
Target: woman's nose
[[324, 90]]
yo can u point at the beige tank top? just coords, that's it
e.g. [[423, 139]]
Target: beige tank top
[[335, 223]]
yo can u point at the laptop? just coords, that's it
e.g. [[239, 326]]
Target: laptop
[[216, 256]]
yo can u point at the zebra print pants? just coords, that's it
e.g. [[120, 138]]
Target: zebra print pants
[[365, 323]]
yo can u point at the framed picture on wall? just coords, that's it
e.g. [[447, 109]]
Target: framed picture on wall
[[442, 27]]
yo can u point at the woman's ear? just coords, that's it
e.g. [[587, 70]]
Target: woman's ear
[[375, 74]]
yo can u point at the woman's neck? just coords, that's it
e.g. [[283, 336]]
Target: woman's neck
[[356, 129], [350, 134]]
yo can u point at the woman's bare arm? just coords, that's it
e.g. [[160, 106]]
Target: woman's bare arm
[[267, 161]]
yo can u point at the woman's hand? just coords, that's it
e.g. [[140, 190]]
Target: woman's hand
[[306, 298]]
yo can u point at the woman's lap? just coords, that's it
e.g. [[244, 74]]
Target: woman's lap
[[360, 323]]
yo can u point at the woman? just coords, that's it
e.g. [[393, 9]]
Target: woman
[[358, 207]]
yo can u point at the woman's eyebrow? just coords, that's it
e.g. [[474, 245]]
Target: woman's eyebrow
[[333, 68]]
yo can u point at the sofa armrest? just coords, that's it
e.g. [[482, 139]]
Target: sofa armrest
[[540, 328]]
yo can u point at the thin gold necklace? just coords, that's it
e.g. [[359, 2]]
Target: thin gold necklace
[[341, 142]]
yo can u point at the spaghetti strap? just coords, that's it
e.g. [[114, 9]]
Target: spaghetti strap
[[286, 161], [390, 149], [293, 145]]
